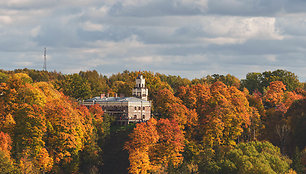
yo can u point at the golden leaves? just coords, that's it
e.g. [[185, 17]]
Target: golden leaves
[[154, 145]]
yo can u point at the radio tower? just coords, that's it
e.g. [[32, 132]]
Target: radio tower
[[45, 59]]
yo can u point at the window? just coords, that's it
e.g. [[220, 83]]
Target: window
[[139, 108], [143, 117], [135, 108], [143, 108], [135, 116]]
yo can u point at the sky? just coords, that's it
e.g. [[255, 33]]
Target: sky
[[190, 38]]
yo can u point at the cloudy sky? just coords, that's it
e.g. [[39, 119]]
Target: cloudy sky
[[190, 38]]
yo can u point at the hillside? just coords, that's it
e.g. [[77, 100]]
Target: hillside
[[216, 124]]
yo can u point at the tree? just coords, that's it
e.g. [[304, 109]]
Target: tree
[[98, 82], [288, 78], [169, 148], [28, 134], [277, 100], [260, 81], [49, 132], [275, 93], [65, 134], [6, 164], [174, 81], [164, 100], [228, 80], [3, 77], [223, 116], [75, 86], [90, 156], [124, 88], [142, 140], [255, 157], [297, 120], [252, 82], [188, 96]]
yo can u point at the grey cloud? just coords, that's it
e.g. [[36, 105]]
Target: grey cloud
[[112, 33], [157, 8], [246, 7], [292, 25], [176, 37], [212, 7]]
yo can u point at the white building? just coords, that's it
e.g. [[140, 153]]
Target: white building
[[126, 109], [140, 90]]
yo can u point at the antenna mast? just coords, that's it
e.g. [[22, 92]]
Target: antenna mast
[[45, 59]]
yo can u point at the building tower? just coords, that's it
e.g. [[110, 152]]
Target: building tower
[[45, 60], [140, 90]]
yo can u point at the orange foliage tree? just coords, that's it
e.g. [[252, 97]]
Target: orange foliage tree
[[278, 101], [65, 133], [223, 114], [275, 93], [171, 107], [47, 129], [142, 140], [5, 143], [155, 145], [168, 150]]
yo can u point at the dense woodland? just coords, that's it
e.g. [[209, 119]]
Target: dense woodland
[[216, 124]]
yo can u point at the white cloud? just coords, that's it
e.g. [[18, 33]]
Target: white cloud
[[229, 29], [201, 4], [5, 19], [185, 37], [35, 31], [242, 28], [271, 58], [23, 64], [88, 26]]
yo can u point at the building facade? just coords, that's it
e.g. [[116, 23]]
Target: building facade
[[126, 109], [140, 90]]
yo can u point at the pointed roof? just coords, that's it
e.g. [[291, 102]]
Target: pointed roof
[[139, 76], [116, 99]]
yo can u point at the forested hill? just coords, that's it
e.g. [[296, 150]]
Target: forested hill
[[215, 124]]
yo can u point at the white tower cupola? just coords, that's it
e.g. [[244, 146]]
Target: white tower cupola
[[140, 90]]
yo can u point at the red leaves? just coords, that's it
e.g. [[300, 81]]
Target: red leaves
[[5, 143], [97, 112], [155, 144], [142, 139], [222, 113], [45, 125], [276, 96], [170, 144], [143, 136], [275, 93], [66, 134]]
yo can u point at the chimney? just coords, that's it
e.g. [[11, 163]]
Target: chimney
[[121, 95], [102, 96], [116, 95]]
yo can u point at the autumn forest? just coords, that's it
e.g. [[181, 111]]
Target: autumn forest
[[217, 124]]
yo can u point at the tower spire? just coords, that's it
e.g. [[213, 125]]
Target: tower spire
[[45, 60], [140, 89]]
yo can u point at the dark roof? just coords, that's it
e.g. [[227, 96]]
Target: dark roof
[[139, 76], [116, 99]]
